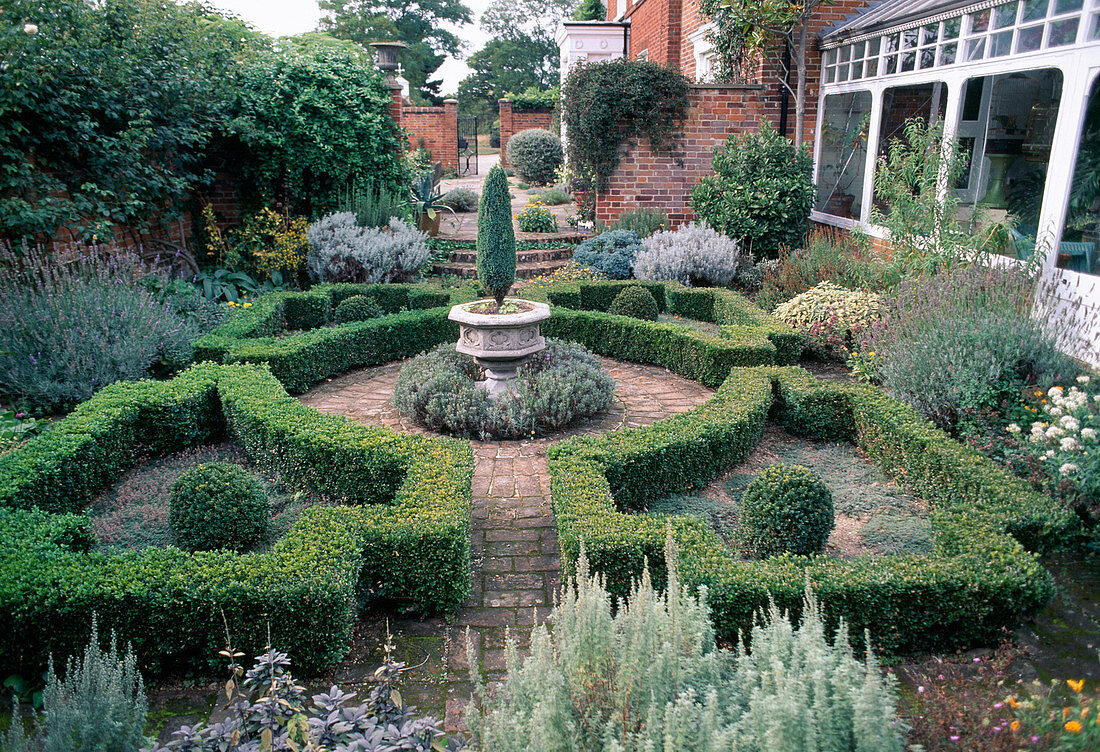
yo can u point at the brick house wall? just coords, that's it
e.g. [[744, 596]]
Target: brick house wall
[[512, 122], [654, 180], [438, 128]]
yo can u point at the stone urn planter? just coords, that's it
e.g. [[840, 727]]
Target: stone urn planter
[[500, 342]]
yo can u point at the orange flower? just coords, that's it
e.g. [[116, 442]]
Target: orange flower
[[1015, 725], [1074, 727], [1065, 712], [1076, 684], [1013, 702]]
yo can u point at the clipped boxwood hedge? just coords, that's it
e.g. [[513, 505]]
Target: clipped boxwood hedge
[[980, 578], [402, 533]]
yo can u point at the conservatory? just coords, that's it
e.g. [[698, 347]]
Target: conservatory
[[1016, 83]]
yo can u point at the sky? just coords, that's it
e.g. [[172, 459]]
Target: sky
[[285, 17]]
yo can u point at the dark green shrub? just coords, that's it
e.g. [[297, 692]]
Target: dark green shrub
[[635, 301], [461, 199], [496, 238], [357, 308], [536, 154], [786, 509], [218, 505], [642, 222], [554, 197], [761, 192], [611, 253]]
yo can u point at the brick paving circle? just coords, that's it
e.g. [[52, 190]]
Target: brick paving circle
[[514, 544]]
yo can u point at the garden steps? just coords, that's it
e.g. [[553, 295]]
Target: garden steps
[[524, 269], [514, 548]]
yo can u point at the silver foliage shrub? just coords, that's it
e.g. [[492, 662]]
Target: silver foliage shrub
[[341, 250], [694, 255], [648, 677]]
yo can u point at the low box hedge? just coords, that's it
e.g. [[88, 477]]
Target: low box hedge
[[980, 578], [401, 533]]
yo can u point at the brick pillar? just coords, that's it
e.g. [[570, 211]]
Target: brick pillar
[[449, 157], [505, 129], [397, 103]]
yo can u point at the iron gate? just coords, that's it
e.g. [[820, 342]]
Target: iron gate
[[467, 145]]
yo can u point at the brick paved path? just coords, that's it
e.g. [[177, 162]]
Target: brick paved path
[[514, 546]]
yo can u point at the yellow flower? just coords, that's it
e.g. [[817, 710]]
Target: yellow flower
[[246, 305], [1015, 725], [1013, 702], [1076, 684], [1074, 727]]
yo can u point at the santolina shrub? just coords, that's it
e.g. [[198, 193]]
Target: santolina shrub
[[341, 250], [555, 387], [830, 315], [694, 255]]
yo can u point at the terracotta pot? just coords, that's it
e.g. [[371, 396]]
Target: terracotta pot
[[429, 224]]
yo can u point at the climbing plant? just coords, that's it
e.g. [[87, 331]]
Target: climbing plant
[[608, 104]]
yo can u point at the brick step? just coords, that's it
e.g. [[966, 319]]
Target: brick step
[[527, 270], [524, 257]]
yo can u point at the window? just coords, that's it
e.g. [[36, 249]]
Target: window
[[903, 103], [843, 159], [1078, 245], [1006, 128]]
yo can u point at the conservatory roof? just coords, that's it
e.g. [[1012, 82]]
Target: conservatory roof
[[895, 14]]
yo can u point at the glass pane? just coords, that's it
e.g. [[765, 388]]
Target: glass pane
[[872, 67], [1078, 249], [928, 34], [845, 53], [842, 73], [857, 70], [857, 50], [1000, 44], [908, 39], [873, 46], [1094, 28], [830, 57], [951, 28], [979, 22], [947, 53], [891, 64], [830, 75], [972, 99], [927, 58], [1063, 32], [1029, 38], [908, 61], [1034, 10], [891, 43], [975, 48], [1067, 6], [902, 103], [1004, 16], [843, 154]]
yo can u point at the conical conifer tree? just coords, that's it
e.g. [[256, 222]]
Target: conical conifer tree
[[496, 240]]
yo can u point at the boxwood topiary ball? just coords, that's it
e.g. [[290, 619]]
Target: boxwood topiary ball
[[635, 301], [218, 505], [786, 509], [357, 308]]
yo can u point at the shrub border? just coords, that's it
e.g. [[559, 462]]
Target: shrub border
[[403, 536]]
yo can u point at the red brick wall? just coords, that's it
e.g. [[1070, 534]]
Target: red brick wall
[[512, 122], [655, 28], [645, 179], [438, 127]]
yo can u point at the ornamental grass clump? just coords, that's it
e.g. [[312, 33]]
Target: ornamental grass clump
[[496, 239], [786, 509], [647, 675]]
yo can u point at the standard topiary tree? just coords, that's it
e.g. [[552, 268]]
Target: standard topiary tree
[[496, 238], [536, 154], [786, 509], [357, 308], [635, 301], [218, 505], [761, 192]]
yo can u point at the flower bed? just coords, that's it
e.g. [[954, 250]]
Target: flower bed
[[401, 533]]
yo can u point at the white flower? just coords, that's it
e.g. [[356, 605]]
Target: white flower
[[1096, 398], [1054, 432], [1054, 412], [1069, 444], [1082, 379], [1069, 423], [1069, 467], [1012, 428], [1036, 438], [1054, 391], [1047, 455], [1089, 434], [30, 28]]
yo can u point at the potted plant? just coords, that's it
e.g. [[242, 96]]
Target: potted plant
[[499, 332], [425, 195]]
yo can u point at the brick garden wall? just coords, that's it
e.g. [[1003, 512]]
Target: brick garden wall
[[512, 122], [645, 179], [438, 127]]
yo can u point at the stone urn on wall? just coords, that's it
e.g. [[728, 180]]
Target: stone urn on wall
[[500, 342]]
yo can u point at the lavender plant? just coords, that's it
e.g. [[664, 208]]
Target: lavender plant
[[71, 327], [693, 255], [341, 250], [648, 676]]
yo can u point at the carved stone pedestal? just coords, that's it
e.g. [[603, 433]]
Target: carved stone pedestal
[[500, 343]]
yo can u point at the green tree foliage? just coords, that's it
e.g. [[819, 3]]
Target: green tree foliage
[[419, 25], [522, 52], [314, 118], [496, 238], [106, 110], [761, 192], [607, 104], [590, 10]]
